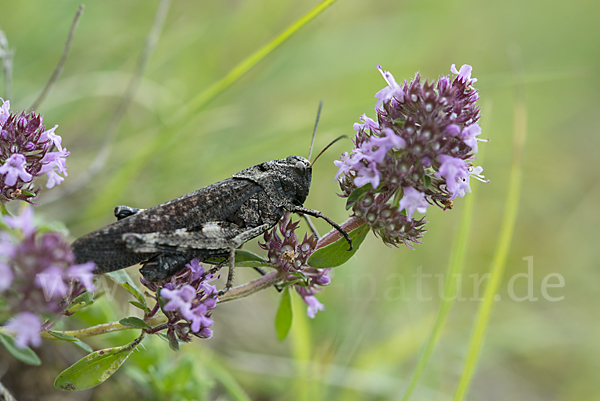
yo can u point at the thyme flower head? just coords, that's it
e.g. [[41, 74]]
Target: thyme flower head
[[28, 150], [419, 151], [187, 299], [290, 256], [38, 276]]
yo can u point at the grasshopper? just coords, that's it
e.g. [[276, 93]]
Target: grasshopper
[[211, 222]]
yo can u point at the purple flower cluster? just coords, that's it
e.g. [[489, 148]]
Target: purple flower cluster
[[26, 152], [187, 296], [419, 152], [38, 276], [291, 258]]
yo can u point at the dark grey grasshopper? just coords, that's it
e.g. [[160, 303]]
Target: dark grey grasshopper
[[208, 223]]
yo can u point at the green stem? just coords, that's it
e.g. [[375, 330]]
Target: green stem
[[104, 328], [455, 266], [252, 287], [499, 261]]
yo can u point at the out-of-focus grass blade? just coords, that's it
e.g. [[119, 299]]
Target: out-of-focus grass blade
[[499, 261], [174, 127]]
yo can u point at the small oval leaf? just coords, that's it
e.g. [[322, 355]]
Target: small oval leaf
[[134, 322], [357, 194], [133, 290], [283, 318], [22, 354], [173, 341], [71, 339], [426, 181], [139, 305], [241, 256], [94, 368], [337, 254]]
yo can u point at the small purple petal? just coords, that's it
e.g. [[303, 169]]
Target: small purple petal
[[84, 274], [180, 298], [27, 327], [4, 112], [196, 268], [198, 318], [469, 136], [51, 281], [455, 171], [393, 90], [14, 168], [54, 163], [391, 140], [368, 175], [49, 135], [343, 165], [23, 222], [452, 130], [6, 276], [412, 200], [368, 123], [313, 306], [465, 72]]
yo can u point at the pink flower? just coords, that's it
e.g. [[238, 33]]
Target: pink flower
[[14, 168], [393, 90], [413, 200], [27, 327]]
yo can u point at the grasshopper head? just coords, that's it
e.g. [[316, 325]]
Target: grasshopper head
[[296, 182]]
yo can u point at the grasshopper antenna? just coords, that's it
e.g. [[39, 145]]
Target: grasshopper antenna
[[327, 147], [312, 143]]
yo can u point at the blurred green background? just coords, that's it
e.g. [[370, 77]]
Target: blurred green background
[[365, 345]]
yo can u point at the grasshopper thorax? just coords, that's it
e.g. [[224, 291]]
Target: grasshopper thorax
[[285, 181]]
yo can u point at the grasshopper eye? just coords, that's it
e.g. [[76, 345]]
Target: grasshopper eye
[[300, 169]]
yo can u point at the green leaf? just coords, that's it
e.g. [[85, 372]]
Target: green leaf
[[337, 254], [427, 181], [241, 256], [71, 339], [139, 305], [290, 283], [283, 319], [94, 368], [134, 322], [3, 210], [173, 342], [133, 290], [85, 299], [160, 299], [22, 354], [27, 192], [357, 194], [121, 277]]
